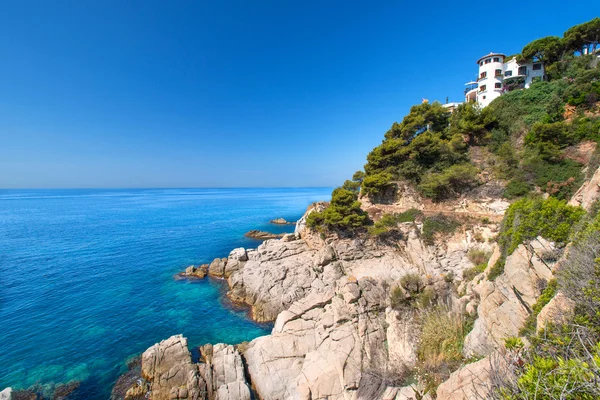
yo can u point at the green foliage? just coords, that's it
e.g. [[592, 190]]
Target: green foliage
[[472, 122], [412, 292], [389, 222], [558, 178], [557, 133], [526, 219], [583, 36], [518, 110], [497, 269], [377, 183], [358, 176], [351, 186], [438, 224], [547, 49], [420, 116], [517, 188], [343, 215], [513, 343], [470, 273], [449, 183]]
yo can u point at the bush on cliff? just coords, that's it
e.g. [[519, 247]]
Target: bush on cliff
[[563, 361], [449, 183], [439, 352], [438, 224], [389, 222], [527, 219], [343, 215]]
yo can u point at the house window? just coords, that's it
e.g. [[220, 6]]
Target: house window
[[498, 85], [481, 63], [482, 75], [522, 70], [498, 72], [537, 67], [488, 61], [484, 97], [508, 73], [482, 88], [496, 59]]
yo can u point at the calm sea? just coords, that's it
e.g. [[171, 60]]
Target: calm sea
[[86, 276]]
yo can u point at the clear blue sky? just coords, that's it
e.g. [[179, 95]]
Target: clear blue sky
[[233, 93]]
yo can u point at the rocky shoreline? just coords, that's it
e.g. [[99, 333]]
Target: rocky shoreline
[[335, 334]]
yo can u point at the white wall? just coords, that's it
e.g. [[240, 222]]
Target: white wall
[[487, 86]]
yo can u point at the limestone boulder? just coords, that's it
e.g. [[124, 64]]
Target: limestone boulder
[[506, 303], [473, 381], [7, 394], [217, 267]]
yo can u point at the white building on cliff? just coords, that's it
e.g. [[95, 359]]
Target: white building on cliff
[[497, 75]]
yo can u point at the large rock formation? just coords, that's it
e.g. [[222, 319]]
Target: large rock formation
[[506, 302], [335, 334], [167, 372]]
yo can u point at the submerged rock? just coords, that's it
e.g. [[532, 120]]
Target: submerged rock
[[256, 234], [192, 271], [281, 221]]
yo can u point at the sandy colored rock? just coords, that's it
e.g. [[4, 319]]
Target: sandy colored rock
[[472, 382], [506, 302], [558, 311], [588, 193]]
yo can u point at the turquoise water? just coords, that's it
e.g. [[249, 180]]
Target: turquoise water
[[86, 276]]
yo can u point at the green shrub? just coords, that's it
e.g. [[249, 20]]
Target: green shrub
[[438, 224], [559, 178], [526, 219], [412, 283], [517, 188], [389, 222], [376, 184], [449, 183], [351, 185], [343, 215], [470, 273], [497, 269]]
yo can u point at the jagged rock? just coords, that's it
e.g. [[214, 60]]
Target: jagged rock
[[289, 237], [321, 344], [169, 373], [588, 193], [281, 221], [506, 303], [217, 267], [236, 260], [261, 235], [301, 224], [473, 381], [325, 256], [7, 394], [193, 272], [558, 311], [169, 369]]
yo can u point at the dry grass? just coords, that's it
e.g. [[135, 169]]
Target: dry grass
[[440, 349]]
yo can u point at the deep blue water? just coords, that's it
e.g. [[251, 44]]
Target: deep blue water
[[86, 276]]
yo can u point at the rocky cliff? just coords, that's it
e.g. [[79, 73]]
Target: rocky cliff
[[336, 334]]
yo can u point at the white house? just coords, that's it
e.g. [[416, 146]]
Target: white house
[[498, 75]]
